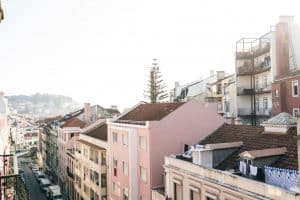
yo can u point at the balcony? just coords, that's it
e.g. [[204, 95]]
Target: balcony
[[264, 112], [262, 67], [263, 88], [244, 112], [255, 51], [244, 91], [245, 70]]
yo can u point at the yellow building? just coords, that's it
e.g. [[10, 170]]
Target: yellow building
[[90, 168]]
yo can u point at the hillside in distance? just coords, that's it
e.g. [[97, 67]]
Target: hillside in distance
[[42, 105]]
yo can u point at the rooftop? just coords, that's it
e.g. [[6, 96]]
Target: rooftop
[[73, 122], [98, 131], [150, 111], [255, 139], [282, 119]]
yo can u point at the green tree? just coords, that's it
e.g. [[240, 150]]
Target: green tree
[[155, 88]]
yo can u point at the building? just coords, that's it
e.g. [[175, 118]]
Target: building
[[237, 162], [254, 59], [139, 140], [272, 57], [68, 133], [285, 88], [90, 165], [223, 92], [196, 89]]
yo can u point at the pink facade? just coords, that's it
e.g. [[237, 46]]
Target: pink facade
[[148, 145], [66, 140]]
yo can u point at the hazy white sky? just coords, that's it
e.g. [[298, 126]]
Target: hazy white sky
[[101, 50]]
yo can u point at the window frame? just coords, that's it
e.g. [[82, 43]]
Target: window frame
[[295, 83]]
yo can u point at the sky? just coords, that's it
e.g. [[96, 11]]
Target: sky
[[100, 51]]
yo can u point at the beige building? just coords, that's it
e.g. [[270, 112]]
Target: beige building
[[237, 162], [223, 91], [90, 165]]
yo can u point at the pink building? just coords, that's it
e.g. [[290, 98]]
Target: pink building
[[68, 133], [141, 138]]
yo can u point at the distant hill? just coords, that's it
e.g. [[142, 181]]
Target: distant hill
[[42, 105]]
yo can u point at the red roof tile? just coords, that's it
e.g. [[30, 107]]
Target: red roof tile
[[151, 111], [73, 122], [254, 138]]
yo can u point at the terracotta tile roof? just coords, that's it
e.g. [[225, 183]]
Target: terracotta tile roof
[[73, 122], [254, 138], [98, 132], [151, 111]]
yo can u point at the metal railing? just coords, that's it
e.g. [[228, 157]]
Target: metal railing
[[263, 87], [244, 91], [264, 111]]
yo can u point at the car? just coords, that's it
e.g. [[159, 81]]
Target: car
[[44, 184]]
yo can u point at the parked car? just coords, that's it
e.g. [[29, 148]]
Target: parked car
[[54, 193], [44, 183], [39, 175]]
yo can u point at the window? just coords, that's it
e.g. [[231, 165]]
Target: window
[[125, 194], [194, 195], [296, 112], [103, 180], [143, 142], [265, 103], [265, 82], [92, 194], [143, 174], [256, 82], [125, 139], [177, 192], [115, 166], [115, 137], [276, 93], [115, 189], [85, 172], [257, 105], [103, 158], [85, 189], [125, 168], [295, 88]]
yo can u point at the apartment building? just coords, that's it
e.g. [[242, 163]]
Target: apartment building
[[196, 89], [68, 133], [237, 162], [223, 92], [88, 167], [140, 138], [285, 88], [270, 58], [254, 57]]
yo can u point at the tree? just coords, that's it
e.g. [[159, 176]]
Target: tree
[[156, 88]]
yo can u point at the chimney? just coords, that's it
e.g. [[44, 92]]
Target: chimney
[[87, 112], [220, 75], [282, 46]]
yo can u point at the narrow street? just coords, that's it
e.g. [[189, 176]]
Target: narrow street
[[33, 186]]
